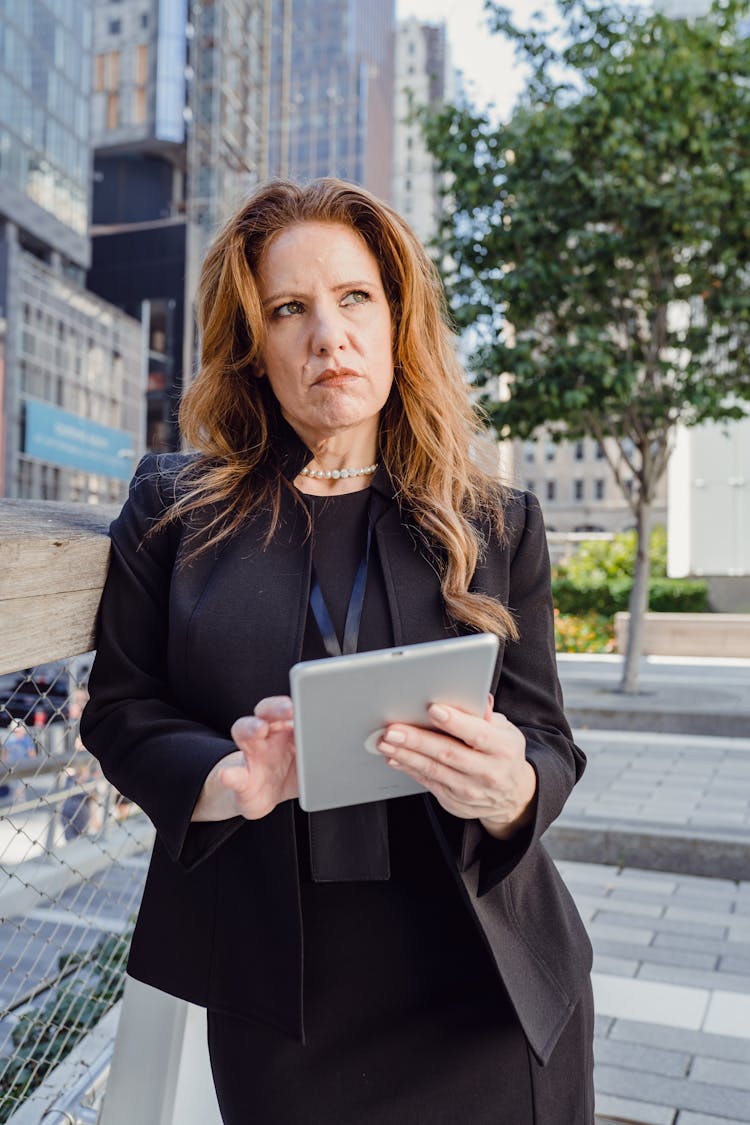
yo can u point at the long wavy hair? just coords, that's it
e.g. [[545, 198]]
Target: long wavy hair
[[442, 465]]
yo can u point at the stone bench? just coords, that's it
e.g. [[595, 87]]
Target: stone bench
[[690, 634]]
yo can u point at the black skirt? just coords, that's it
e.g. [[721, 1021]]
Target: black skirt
[[405, 1018]]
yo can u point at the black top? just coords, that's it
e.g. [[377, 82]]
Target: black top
[[405, 1018], [419, 908]]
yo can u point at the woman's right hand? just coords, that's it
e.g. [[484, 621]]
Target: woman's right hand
[[261, 774]]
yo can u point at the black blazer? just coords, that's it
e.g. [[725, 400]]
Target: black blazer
[[183, 651]]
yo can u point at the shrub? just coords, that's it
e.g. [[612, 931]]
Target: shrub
[[599, 577], [590, 632]]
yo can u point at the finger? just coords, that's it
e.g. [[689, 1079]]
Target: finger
[[435, 776], [234, 778], [248, 728], [274, 707], [471, 729], [400, 740], [490, 707]]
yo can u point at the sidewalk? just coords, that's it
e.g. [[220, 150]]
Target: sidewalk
[[672, 994], [676, 694], [671, 948]]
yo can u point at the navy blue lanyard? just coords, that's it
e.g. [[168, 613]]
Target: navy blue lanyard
[[356, 602]]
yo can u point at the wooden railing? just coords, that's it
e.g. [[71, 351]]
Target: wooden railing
[[53, 562]]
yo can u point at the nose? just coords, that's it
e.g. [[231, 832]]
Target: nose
[[328, 331]]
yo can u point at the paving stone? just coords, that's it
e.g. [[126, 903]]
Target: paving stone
[[688, 1118], [636, 936], [724, 897], [697, 944], [650, 1001], [703, 1043], [647, 880], [701, 915], [695, 978], [595, 870], [681, 1093], [633, 1056], [657, 956], [618, 966], [732, 1074], [701, 900], [647, 909], [667, 924], [728, 1013], [732, 964], [641, 1113]]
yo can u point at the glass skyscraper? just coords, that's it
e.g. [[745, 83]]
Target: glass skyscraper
[[331, 90], [70, 364]]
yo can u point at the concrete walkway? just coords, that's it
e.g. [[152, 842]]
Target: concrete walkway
[[672, 994], [666, 795]]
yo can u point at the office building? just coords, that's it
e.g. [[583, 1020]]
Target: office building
[[70, 363], [177, 135], [331, 90], [423, 79], [576, 487]]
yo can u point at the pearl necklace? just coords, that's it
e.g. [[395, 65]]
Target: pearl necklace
[[338, 474]]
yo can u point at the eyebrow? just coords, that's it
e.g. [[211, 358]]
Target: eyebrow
[[291, 295]]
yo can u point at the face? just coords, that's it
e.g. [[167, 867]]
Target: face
[[328, 353]]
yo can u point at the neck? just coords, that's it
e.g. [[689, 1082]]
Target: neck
[[336, 452]]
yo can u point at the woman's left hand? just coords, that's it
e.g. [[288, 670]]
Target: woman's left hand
[[475, 767]]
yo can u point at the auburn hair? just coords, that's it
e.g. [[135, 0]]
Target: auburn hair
[[432, 443]]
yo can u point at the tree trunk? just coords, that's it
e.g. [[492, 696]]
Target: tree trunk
[[638, 600]]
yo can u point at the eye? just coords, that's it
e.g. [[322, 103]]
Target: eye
[[289, 308], [356, 297]]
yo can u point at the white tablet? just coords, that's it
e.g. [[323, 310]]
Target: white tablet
[[342, 704]]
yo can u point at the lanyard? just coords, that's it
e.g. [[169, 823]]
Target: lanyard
[[356, 602]]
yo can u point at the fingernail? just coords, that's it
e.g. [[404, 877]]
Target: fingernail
[[435, 711], [396, 737]]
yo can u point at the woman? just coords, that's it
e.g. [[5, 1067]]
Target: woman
[[444, 974]]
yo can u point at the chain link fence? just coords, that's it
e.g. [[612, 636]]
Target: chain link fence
[[73, 858]]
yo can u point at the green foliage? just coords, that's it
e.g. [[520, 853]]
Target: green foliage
[[44, 1035], [598, 579], [606, 598], [602, 560], [607, 221], [588, 632]]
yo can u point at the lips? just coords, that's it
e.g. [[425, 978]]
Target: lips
[[335, 376]]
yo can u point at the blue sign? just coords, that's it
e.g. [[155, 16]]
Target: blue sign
[[76, 443]]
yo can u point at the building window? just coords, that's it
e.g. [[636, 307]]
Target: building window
[[549, 450], [144, 19], [113, 111], [599, 489], [141, 64], [529, 451], [599, 451], [139, 106], [628, 484], [578, 489], [530, 486], [115, 27], [99, 71], [579, 451], [551, 490]]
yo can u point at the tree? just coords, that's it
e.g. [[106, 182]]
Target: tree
[[598, 241]]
